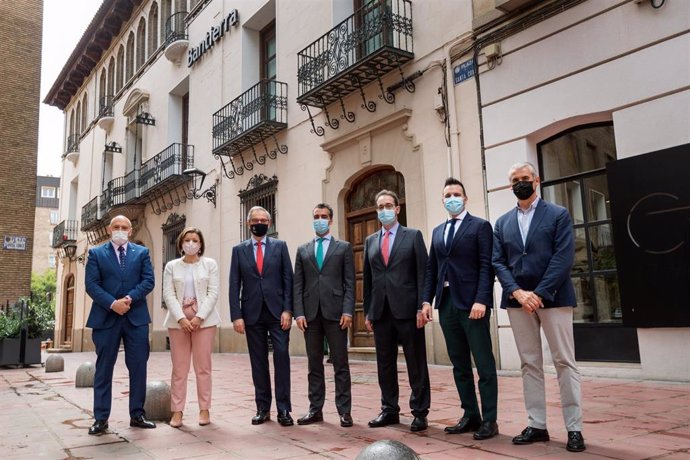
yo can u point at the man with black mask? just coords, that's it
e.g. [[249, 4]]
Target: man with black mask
[[261, 283], [533, 255]]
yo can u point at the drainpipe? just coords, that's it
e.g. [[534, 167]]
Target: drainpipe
[[454, 149]]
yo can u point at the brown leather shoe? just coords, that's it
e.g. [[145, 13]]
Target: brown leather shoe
[[204, 417], [176, 420]]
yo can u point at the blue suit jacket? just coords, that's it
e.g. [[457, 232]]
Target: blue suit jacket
[[543, 263], [107, 282], [249, 289], [467, 266]]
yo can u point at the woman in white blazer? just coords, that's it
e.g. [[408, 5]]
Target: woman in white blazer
[[190, 291]]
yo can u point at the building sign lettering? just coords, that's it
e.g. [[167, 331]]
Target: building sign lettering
[[463, 71], [17, 243], [212, 36]]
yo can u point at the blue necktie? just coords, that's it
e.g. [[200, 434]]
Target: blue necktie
[[121, 250], [319, 253], [451, 233]]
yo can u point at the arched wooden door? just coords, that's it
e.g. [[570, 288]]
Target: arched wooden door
[[362, 222], [69, 311]]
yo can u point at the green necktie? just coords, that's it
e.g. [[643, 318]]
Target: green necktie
[[319, 253]]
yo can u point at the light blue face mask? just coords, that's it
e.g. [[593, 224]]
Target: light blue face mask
[[320, 226], [454, 205], [387, 216]]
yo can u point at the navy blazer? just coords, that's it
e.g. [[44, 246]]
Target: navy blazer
[[543, 263], [107, 282], [401, 281], [249, 290], [466, 267]]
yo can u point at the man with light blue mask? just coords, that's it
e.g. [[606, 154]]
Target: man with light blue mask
[[459, 275], [394, 262], [324, 302]]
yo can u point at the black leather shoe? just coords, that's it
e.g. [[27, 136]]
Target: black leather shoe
[[98, 428], [311, 417], [141, 422], [260, 417], [285, 419], [576, 443], [384, 419], [530, 435], [346, 420], [486, 431], [464, 425], [419, 424]]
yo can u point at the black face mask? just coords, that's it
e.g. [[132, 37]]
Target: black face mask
[[259, 229], [523, 189]]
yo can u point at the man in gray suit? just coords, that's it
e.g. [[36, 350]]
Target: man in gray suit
[[394, 264], [324, 296]]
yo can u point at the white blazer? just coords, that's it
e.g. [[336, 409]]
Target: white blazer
[[206, 281]]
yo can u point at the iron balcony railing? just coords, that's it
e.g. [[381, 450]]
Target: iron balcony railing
[[367, 45], [105, 108], [166, 168], [73, 143], [256, 114], [65, 232], [90, 214], [176, 28]]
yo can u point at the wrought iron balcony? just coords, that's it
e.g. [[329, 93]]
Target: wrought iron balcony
[[106, 112], [65, 232], [256, 115], [176, 40], [72, 143], [90, 214], [376, 39], [163, 172]]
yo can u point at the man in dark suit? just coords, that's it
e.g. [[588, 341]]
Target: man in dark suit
[[459, 275], [261, 304], [394, 262], [324, 304], [533, 255], [119, 276]]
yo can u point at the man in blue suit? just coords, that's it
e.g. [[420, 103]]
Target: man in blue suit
[[533, 255], [261, 283], [459, 275], [119, 276]]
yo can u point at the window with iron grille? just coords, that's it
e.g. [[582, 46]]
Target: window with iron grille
[[172, 228], [260, 191]]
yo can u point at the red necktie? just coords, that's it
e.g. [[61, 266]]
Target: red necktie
[[259, 257], [384, 247]]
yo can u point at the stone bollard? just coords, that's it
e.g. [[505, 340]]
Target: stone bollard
[[85, 374], [157, 405], [383, 450], [55, 363]]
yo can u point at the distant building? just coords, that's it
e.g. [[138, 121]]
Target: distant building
[[20, 78], [47, 217]]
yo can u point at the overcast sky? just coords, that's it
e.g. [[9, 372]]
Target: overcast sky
[[64, 22]]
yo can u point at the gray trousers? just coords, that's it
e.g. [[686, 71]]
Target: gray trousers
[[557, 323]]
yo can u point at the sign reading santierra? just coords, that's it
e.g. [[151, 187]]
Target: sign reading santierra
[[212, 36]]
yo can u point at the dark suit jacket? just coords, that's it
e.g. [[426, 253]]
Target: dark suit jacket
[[107, 282], [332, 288], [466, 267], [401, 282], [543, 263], [249, 290]]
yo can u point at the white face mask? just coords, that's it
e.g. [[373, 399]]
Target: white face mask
[[191, 248], [119, 237]]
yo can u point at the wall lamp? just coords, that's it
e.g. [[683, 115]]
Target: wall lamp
[[198, 177], [68, 251]]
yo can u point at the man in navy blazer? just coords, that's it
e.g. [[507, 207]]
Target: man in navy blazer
[[261, 283], [533, 255], [460, 276], [119, 276]]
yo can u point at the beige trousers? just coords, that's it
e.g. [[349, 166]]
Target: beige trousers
[[557, 324]]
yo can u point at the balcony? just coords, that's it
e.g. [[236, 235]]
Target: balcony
[[90, 215], [72, 152], [163, 173], [106, 112], [363, 48], [176, 40], [247, 121], [64, 233]]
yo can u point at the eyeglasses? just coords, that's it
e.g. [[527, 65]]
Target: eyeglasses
[[259, 221], [388, 206]]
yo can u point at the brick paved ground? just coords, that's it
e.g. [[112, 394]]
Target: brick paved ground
[[45, 416]]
